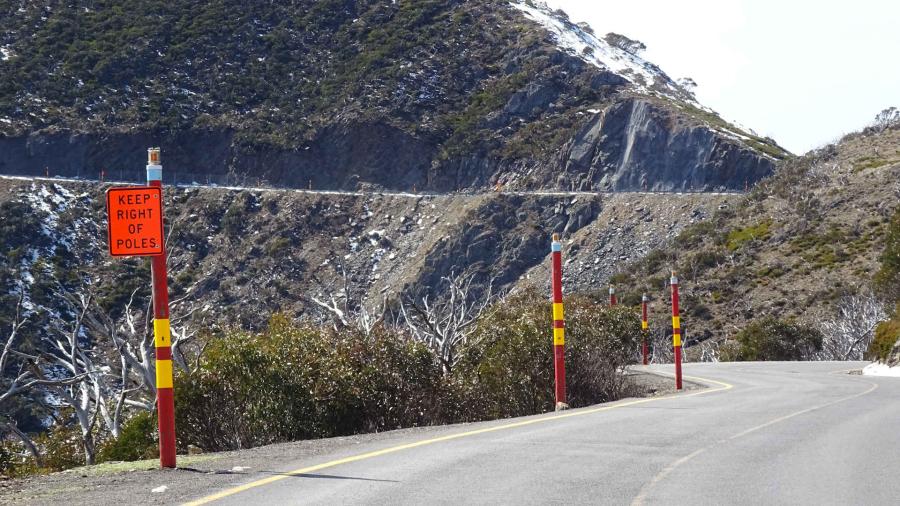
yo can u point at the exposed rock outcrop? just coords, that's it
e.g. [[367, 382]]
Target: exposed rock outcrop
[[634, 144], [637, 145], [396, 95]]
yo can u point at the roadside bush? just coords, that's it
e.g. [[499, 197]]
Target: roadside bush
[[600, 341], [298, 382], [729, 351], [887, 334], [137, 440], [9, 458], [887, 279], [61, 447], [507, 369], [773, 339]]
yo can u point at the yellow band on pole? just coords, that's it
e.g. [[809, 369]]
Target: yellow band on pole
[[557, 311], [676, 339], [559, 336], [162, 336], [676, 322], [163, 374], [644, 325]]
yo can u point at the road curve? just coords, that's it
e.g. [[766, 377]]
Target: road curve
[[762, 433]]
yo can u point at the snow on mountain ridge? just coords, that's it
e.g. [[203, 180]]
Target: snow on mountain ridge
[[644, 76]]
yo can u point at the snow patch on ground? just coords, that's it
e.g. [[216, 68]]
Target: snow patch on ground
[[881, 369], [53, 205], [6, 53]]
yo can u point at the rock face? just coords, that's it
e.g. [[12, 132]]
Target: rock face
[[636, 145], [341, 157], [633, 145], [396, 95]]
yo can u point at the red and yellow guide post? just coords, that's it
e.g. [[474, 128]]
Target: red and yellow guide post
[[559, 325], [645, 328], [676, 330]]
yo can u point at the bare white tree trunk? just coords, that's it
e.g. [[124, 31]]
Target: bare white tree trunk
[[71, 355], [848, 334], [29, 368], [132, 338], [364, 319], [29, 444], [709, 351], [661, 351], [446, 324]]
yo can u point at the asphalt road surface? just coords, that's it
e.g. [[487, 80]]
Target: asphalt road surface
[[762, 433]]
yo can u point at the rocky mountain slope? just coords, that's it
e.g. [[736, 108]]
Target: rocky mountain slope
[[794, 247], [241, 255], [341, 94]]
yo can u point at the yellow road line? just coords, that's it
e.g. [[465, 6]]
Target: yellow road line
[[393, 449]]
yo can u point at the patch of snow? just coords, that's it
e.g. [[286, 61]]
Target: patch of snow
[[6, 53], [160, 489], [881, 369], [643, 75]]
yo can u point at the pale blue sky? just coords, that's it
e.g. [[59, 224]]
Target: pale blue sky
[[803, 72]]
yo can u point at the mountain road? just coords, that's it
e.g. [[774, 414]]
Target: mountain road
[[760, 433]]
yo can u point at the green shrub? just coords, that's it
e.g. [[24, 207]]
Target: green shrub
[[887, 279], [620, 278], [507, 369], [870, 162], [136, 441], [693, 235], [601, 341], [738, 237], [61, 447], [657, 259], [630, 299], [295, 382], [9, 458], [277, 246], [701, 311], [887, 334], [730, 351], [773, 339], [701, 261], [233, 220]]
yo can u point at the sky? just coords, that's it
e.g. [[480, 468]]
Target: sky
[[802, 72]]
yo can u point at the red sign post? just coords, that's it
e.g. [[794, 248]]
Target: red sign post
[[612, 297], [136, 229]]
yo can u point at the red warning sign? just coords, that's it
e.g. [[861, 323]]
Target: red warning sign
[[135, 221]]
